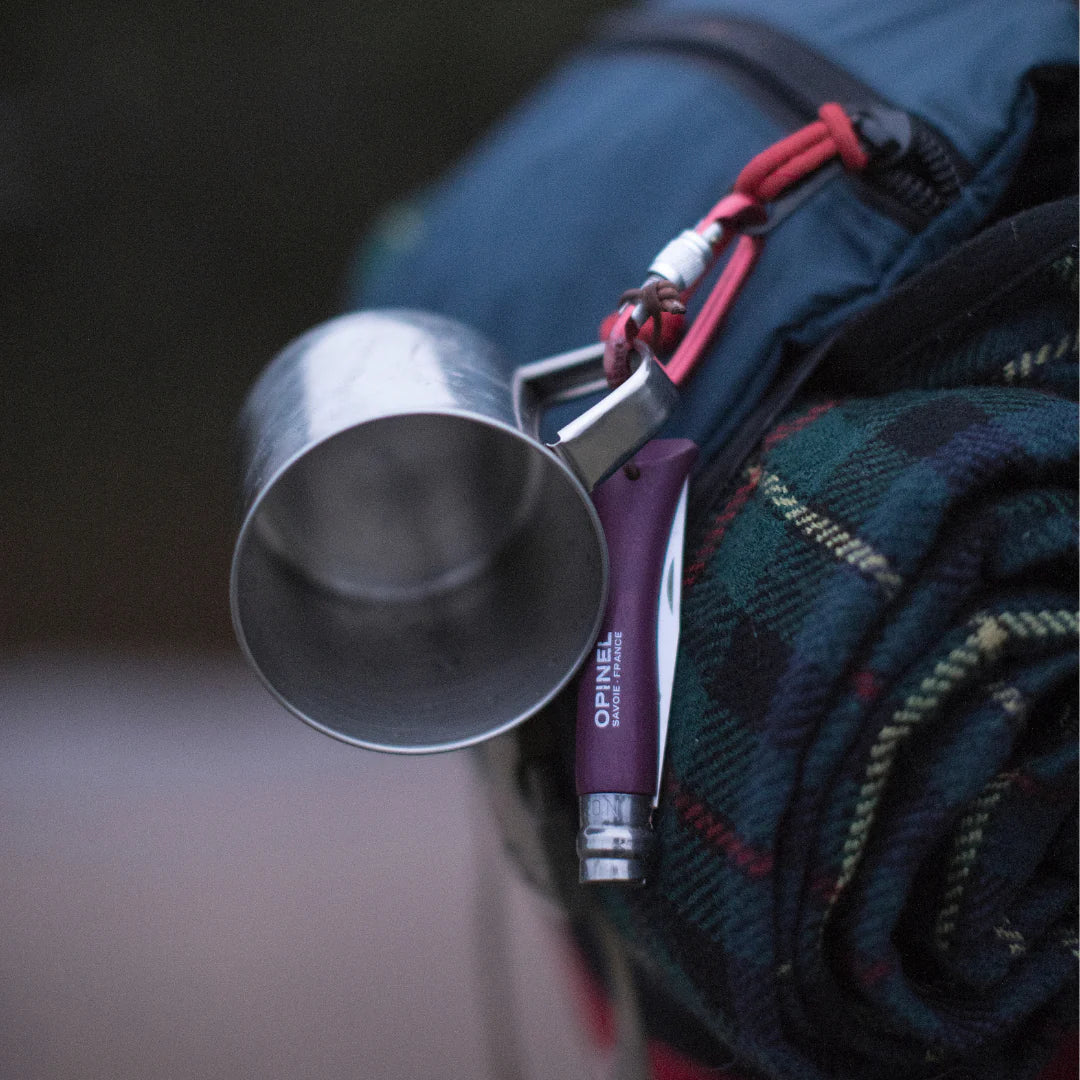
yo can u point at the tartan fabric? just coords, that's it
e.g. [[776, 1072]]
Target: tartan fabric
[[867, 833]]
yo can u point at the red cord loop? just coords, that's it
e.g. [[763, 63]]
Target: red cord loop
[[765, 178], [672, 328], [844, 135], [787, 162], [619, 347], [733, 212], [758, 169], [706, 326]]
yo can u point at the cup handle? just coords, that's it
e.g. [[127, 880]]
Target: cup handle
[[598, 441]]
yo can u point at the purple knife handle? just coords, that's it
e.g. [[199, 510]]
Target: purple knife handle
[[618, 698]]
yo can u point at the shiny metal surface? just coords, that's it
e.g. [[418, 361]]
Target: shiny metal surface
[[667, 628], [597, 442], [615, 841], [684, 260], [555, 379], [413, 572]]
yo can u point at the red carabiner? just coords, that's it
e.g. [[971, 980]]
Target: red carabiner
[[733, 212], [706, 326], [619, 346], [685, 261], [717, 229], [727, 218]]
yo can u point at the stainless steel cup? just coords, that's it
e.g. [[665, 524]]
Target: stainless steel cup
[[416, 570]]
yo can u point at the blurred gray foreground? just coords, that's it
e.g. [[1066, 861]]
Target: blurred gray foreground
[[195, 885]]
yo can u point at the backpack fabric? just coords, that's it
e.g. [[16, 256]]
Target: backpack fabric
[[534, 236], [867, 832]]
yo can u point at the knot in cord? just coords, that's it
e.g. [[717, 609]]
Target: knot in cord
[[657, 297], [790, 160], [663, 305], [842, 132]]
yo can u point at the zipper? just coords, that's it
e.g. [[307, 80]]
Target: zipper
[[914, 173]]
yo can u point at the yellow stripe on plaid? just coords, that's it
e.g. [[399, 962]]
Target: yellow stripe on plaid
[[1029, 361], [966, 845], [1011, 937], [831, 536], [981, 647]]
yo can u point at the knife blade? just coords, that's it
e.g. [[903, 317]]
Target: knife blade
[[667, 627]]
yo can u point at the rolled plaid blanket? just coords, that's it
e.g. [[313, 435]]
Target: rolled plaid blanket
[[868, 829]]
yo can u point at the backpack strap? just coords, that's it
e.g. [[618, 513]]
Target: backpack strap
[[957, 290]]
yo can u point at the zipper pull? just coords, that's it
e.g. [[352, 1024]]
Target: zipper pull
[[886, 133], [908, 161]]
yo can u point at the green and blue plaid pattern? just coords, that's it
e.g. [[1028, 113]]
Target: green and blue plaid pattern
[[867, 834]]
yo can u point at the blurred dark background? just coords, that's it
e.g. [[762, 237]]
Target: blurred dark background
[[181, 188], [195, 884]]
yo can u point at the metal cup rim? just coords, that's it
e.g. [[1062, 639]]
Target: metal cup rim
[[271, 481]]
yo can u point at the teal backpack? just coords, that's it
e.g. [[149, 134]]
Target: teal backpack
[[867, 831]]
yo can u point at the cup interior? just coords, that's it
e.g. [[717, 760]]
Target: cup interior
[[419, 582]]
